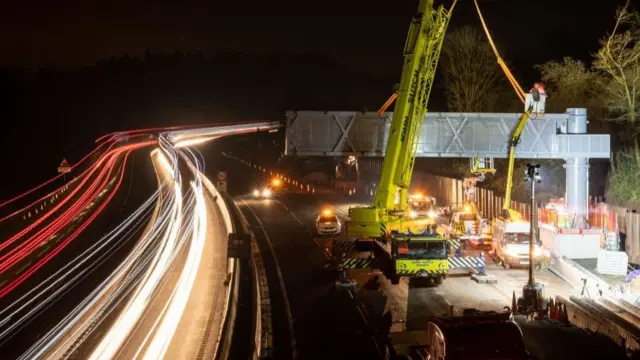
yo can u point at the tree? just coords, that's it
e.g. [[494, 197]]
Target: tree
[[472, 78], [570, 83], [619, 60], [623, 183]]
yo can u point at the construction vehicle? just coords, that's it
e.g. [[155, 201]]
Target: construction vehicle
[[388, 222], [510, 231], [467, 227], [474, 335], [422, 206], [511, 244]]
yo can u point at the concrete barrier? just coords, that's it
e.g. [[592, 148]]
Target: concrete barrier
[[243, 331], [573, 246], [230, 299], [579, 277]]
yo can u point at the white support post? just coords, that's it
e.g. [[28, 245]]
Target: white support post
[[577, 180]]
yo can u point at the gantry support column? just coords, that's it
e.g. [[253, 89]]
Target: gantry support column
[[577, 180]]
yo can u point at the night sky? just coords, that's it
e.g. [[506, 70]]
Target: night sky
[[365, 35], [63, 113]]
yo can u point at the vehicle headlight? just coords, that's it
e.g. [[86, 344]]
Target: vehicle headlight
[[266, 192], [511, 251], [433, 214], [256, 193], [413, 214]]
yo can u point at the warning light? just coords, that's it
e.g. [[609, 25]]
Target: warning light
[[417, 196], [276, 182], [327, 212]]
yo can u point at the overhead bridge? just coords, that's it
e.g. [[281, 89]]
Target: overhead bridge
[[344, 133], [457, 135]]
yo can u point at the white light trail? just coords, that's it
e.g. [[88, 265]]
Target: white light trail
[[123, 325], [172, 243], [180, 296]]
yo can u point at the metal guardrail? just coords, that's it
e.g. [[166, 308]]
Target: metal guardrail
[[229, 307], [241, 329]]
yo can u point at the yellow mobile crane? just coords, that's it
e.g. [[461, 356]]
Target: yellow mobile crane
[[414, 245]]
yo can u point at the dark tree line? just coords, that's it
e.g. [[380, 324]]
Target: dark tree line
[[53, 113]]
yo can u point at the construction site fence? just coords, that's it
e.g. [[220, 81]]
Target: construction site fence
[[613, 220], [451, 191]]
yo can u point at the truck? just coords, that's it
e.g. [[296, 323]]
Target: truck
[[474, 335], [510, 244], [467, 226], [388, 222], [422, 206], [425, 256]]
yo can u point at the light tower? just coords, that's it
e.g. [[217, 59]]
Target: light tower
[[532, 292]]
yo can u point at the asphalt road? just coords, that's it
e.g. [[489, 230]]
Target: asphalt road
[[323, 323], [289, 219], [135, 189]]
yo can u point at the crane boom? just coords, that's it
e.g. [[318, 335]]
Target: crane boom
[[421, 54], [422, 50]]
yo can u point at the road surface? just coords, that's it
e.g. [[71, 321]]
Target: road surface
[[288, 221]]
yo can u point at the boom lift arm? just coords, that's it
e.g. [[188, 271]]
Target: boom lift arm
[[536, 100], [513, 143]]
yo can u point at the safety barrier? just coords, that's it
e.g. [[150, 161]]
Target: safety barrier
[[230, 304], [244, 332], [467, 262], [579, 277]]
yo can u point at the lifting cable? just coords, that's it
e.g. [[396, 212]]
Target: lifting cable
[[514, 83], [504, 67]]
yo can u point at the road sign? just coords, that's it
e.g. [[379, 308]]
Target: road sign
[[64, 167], [239, 246]]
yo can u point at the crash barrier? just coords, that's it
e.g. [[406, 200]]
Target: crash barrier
[[577, 276], [230, 307], [242, 331], [264, 325], [469, 262], [610, 316], [575, 244]]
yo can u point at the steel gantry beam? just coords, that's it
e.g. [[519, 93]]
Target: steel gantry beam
[[454, 135], [343, 133]]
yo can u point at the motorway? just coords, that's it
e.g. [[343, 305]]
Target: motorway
[[328, 324], [34, 301], [126, 260], [145, 273]]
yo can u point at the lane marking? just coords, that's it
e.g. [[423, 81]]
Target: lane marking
[[315, 239], [324, 252], [280, 279]]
